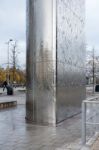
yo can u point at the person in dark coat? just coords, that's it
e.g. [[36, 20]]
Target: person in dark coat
[[5, 85]]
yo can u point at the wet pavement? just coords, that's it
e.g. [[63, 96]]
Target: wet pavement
[[15, 134], [18, 96]]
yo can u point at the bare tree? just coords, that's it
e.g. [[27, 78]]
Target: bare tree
[[92, 65], [14, 59]]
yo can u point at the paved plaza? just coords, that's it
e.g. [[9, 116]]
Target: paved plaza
[[18, 96], [16, 134]]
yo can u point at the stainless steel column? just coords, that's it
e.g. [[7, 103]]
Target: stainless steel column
[[40, 105], [55, 60]]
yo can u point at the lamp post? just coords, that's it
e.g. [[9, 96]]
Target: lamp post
[[93, 53], [14, 60], [8, 43]]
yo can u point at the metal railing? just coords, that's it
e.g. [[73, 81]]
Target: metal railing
[[90, 118]]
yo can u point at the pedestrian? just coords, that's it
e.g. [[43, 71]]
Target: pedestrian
[[5, 85]]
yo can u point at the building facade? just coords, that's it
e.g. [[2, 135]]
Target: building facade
[[55, 60]]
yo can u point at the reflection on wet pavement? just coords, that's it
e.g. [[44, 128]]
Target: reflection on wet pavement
[[15, 134]]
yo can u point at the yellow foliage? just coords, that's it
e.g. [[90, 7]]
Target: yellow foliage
[[16, 75]]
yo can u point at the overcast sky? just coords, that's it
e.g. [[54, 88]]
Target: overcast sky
[[92, 24], [12, 25]]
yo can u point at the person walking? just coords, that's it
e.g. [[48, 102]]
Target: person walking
[[5, 85]]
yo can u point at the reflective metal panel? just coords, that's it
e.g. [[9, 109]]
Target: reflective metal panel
[[70, 57], [55, 59], [40, 62]]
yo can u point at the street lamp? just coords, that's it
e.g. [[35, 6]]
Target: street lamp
[[8, 43], [93, 55], [14, 60]]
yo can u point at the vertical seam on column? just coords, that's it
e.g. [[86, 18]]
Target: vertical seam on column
[[56, 61], [54, 51], [33, 67]]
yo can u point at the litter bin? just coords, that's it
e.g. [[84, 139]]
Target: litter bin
[[97, 88], [9, 90]]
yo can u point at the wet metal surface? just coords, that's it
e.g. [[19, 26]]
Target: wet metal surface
[[40, 62], [55, 59], [70, 57]]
